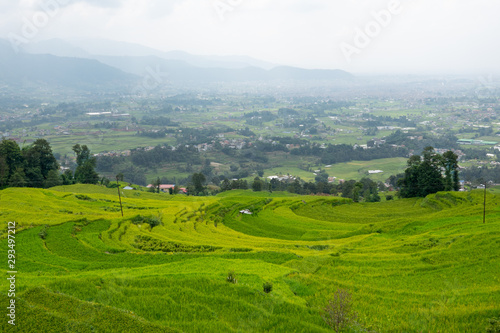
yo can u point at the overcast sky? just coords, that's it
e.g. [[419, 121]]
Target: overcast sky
[[410, 36]]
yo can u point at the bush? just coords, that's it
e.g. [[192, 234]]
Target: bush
[[389, 197], [153, 221], [43, 232], [319, 247], [239, 249], [84, 197], [338, 314], [146, 243], [268, 287], [231, 277], [494, 325]]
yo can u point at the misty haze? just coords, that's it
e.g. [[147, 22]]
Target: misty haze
[[250, 166]]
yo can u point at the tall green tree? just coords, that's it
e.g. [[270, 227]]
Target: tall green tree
[[48, 162], [39, 161], [11, 153], [67, 177], [85, 171], [226, 185], [18, 179], [156, 185], [356, 192], [450, 165], [431, 179], [32, 167], [257, 185], [424, 175], [198, 180], [36, 161], [4, 172], [53, 179]]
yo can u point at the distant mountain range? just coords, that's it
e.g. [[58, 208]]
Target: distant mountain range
[[101, 62], [19, 68], [89, 48]]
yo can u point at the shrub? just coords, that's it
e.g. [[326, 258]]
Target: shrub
[[338, 314], [239, 249], [147, 243], [389, 197], [231, 277], [319, 247], [43, 232], [494, 325], [153, 221], [84, 197], [268, 287]]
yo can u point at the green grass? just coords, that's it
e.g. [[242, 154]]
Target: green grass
[[359, 169], [412, 265]]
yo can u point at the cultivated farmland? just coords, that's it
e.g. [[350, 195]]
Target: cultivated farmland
[[411, 265]]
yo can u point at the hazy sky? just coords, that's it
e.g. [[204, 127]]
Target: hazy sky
[[408, 36]]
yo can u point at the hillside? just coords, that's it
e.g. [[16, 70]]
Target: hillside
[[411, 265], [177, 66], [23, 68]]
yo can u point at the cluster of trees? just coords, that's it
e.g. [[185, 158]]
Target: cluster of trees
[[481, 175], [374, 120], [31, 166], [246, 132], [320, 107], [85, 166], [195, 136], [425, 175], [35, 166], [166, 154], [430, 173], [197, 185], [480, 131], [154, 134], [475, 154], [364, 190], [158, 121], [287, 112], [408, 140], [333, 154], [258, 118], [122, 165]]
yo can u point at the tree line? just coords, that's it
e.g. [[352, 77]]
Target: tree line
[[426, 174], [35, 166], [430, 173], [363, 190], [333, 154]]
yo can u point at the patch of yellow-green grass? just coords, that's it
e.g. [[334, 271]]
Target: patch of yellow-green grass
[[411, 265], [359, 169]]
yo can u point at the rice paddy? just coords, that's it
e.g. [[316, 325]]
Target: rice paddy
[[413, 265]]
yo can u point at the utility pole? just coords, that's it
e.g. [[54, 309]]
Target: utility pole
[[484, 204], [119, 196]]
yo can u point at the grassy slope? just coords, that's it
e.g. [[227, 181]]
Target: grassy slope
[[412, 265]]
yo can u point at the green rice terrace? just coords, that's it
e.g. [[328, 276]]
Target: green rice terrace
[[412, 265]]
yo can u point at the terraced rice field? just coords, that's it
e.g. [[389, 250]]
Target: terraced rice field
[[414, 265]]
